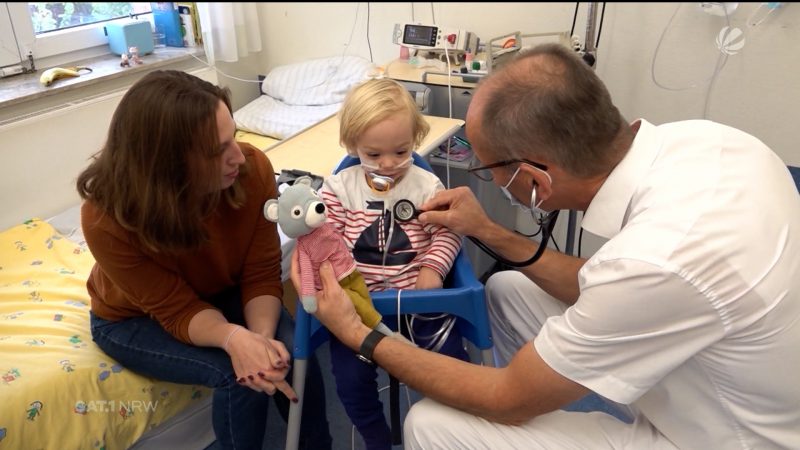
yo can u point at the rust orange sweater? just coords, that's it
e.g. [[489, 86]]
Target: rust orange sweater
[[128, 280]]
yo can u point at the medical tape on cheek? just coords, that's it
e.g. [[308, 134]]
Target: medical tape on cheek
[[369, 167]]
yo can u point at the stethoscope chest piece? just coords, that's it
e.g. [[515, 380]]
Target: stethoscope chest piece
[[404, 211]]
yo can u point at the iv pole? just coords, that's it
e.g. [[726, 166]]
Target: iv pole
[[591, 23], [589, 55]]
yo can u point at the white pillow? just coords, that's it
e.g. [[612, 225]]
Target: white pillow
[[270, 117], [323, 81]]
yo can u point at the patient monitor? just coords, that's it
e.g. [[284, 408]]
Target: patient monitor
[[433, 37]]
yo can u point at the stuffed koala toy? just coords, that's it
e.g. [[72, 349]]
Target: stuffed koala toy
[[301, 214]]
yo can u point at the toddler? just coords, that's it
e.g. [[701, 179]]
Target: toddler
[[381, 125]]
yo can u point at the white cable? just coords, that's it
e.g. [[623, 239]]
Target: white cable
[[450, 106], [713, 82], [439, 337], [722, 59], [658, 47], [221, 72], [399, 328], [386, 248], [443, 334], [352, 30]]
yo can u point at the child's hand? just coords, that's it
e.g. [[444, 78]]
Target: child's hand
[[428, 279]]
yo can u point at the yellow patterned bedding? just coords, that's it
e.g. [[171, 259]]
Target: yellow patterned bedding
[[57, 389]]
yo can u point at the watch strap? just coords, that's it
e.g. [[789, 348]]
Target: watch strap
[[368, 346]]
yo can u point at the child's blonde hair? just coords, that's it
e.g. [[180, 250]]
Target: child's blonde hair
[[371, 102]]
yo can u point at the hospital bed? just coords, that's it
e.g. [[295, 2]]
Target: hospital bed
[[296, 96], [59, 390]]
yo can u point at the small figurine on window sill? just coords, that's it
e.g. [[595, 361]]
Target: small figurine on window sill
[[133, 55]]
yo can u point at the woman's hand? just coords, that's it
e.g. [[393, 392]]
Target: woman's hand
[[428, 279], [456, 209], [260, 363]]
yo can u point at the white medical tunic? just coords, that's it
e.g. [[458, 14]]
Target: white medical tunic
[[691, 311]]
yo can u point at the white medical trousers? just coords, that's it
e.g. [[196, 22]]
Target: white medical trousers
[[518, 309]]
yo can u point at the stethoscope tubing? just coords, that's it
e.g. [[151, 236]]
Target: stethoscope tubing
[[407, 211]]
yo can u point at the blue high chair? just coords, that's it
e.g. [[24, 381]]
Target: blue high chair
[[461, 296]]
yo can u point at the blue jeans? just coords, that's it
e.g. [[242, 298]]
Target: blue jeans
[[357, 385], [239, 413]]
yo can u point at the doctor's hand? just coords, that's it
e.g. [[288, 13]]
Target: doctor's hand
[[336, 311], [456, 209]]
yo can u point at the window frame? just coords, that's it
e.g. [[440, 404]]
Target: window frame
[[56, 47], [9, 52]]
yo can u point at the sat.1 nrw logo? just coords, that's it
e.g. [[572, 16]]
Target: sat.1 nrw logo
[[730, 40]]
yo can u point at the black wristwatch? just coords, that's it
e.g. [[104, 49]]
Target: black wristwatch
[[368, 346]]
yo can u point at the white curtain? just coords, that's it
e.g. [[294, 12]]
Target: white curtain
[[230, 30]]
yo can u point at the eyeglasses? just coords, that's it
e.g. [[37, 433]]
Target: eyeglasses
[[485, 174]]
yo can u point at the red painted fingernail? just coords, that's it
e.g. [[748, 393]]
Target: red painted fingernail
[[261, 374], [240, 380], [251, 377], [295, 400]]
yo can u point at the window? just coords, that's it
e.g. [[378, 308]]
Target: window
[[53, 16], [55, 32]]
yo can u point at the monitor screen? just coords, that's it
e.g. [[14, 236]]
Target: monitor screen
[[420, 35]]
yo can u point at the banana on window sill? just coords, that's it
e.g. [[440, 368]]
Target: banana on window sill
[[51, 75]]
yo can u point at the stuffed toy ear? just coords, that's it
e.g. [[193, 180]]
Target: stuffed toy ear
[[271, 210], [303, 180]]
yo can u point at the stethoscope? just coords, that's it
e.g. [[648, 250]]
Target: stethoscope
[[404, 210]]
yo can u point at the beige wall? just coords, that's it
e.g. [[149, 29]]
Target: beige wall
[[757, 90], [42, 155]]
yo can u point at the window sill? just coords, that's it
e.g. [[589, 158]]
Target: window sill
[[23, 95]]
